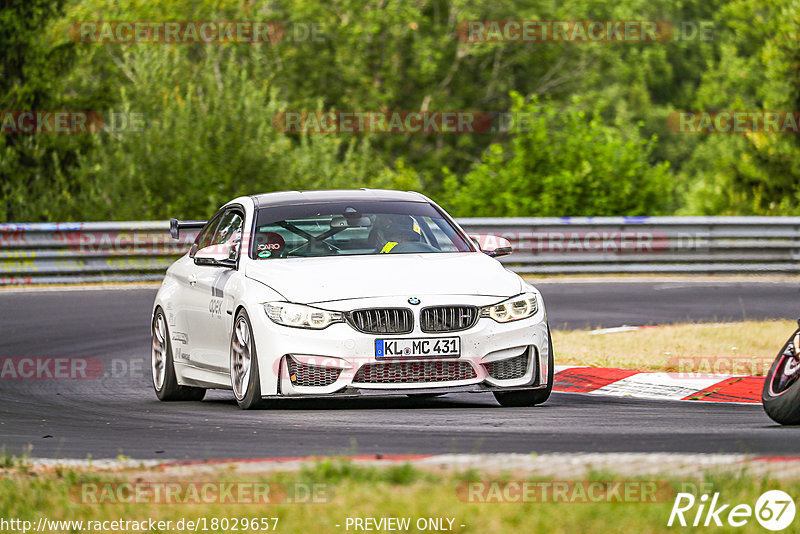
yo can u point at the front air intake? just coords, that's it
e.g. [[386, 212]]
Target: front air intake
[[439, 319], [509, 369], [400, 372], [305, 375], [382, 320]]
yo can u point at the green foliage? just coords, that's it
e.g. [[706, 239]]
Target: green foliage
[[31, 73], [564, 162], [758, 69], [336, 470], [599, 145], [201, 141], [55, 496], [9, 461]]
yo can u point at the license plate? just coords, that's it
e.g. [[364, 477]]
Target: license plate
[[418, 347]]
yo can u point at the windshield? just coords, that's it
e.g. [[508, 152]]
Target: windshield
[[353, 228]]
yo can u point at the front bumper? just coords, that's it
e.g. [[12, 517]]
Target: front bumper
[[357, 392], [340, 361]]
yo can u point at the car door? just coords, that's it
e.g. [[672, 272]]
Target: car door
[[212, 318], [193, 302]]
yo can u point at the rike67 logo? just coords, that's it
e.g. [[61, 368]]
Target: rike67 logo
[[774, 510]]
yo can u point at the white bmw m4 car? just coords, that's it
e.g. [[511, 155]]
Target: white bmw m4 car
[[346, 294]]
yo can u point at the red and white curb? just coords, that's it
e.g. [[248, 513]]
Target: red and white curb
[[658, 385]]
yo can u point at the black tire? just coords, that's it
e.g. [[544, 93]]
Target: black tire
[[169, 390], [250, 398], [782, 400], [530, 397]]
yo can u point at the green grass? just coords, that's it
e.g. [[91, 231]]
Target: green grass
[[358, 491], [11, 461], [747, 347], [336, 470]]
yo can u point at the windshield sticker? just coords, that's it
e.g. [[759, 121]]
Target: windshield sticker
[[388, 247], [269, 243]]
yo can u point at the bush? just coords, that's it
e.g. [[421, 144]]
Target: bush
[[567, 162], [207, 139]]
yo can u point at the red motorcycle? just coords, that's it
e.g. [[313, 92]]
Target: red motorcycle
[[781, 395]]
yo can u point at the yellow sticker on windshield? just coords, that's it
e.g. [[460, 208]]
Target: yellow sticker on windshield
[[388, 246]]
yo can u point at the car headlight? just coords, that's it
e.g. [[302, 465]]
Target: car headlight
[[513, 309], [300, 316]]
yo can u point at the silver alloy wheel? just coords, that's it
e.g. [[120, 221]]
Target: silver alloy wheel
[[159, 352], [240, 358]]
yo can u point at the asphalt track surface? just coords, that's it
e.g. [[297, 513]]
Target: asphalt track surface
[[119, 414]]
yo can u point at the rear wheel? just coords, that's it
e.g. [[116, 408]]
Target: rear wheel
[[530, 397], [781, 393], [165, 383], [244, 364]]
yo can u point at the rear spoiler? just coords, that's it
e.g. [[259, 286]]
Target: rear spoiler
[[175, 226]]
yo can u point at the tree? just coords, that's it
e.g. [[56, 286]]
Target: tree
[[565, 162], [755, 172], [35, 170]]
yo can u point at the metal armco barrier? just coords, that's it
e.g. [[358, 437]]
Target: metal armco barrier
[[36, 253], [45, 253]]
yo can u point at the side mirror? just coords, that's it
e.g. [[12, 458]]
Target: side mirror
[[492, 245], [217, 256]]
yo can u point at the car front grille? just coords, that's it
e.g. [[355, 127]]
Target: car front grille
[[448, 318], [305, 375], [382, 320], [414, 372], [508, 369]]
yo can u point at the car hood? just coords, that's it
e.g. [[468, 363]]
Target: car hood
[[310, 280]]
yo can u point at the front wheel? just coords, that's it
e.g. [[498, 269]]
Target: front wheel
[[245, 379], [530, 397], [781, 393], [165, 383]]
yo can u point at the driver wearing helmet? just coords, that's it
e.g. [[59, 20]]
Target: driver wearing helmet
[[390, 230]]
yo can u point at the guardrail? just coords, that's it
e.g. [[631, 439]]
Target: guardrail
[[44, 253]]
